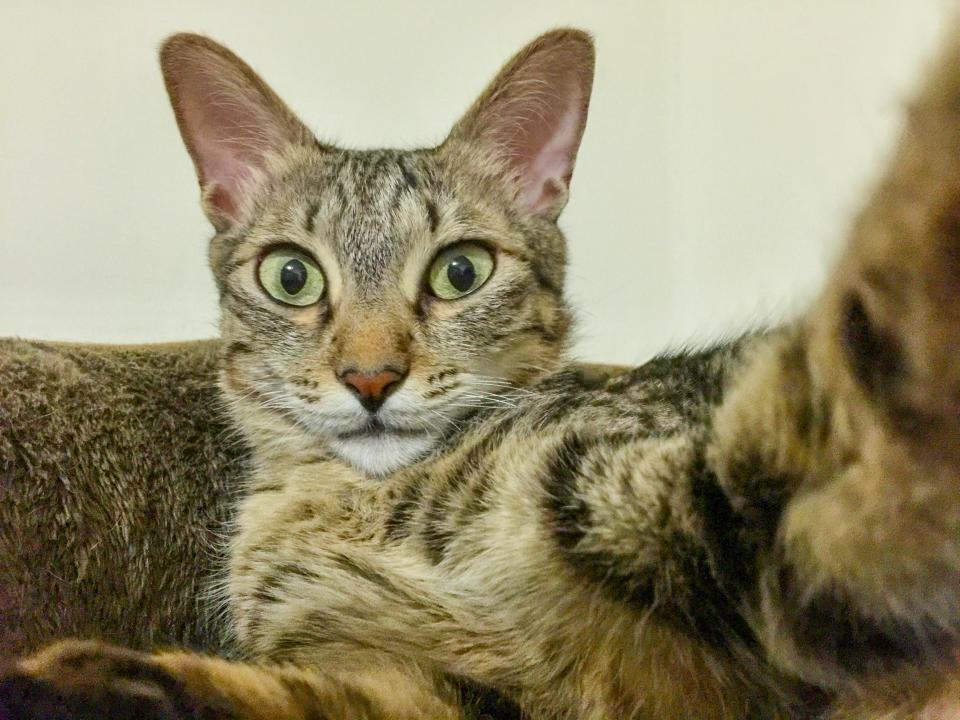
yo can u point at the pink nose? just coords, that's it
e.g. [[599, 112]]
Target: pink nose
[[372, 390]]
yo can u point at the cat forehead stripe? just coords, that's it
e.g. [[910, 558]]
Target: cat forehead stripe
[[370, 191]]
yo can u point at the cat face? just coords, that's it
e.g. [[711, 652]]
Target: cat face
[[383, 233], [372, 299]]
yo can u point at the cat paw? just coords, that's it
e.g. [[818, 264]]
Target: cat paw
[[77, 680]]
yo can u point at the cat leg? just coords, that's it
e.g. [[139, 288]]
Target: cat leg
[[843, 437], [77, 680]]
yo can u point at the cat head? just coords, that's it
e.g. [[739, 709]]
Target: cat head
[[372, 299]]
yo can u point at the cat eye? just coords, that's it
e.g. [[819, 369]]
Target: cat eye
[[291, 277], [459, 270]]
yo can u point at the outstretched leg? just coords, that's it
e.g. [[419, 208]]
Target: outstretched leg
[[79, 680]]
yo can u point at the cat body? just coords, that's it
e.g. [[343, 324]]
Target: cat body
[[509, 560], [336, 506], [437, 499]]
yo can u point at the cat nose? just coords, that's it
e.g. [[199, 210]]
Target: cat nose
[[372, 390]]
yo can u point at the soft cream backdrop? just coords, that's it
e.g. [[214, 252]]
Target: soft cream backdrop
[[729, 142]]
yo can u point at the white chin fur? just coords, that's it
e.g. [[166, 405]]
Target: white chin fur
[[381, 454]]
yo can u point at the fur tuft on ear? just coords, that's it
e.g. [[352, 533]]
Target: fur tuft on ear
[[532, 116], [231, 122]]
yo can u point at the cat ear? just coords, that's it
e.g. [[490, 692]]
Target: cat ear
[[231, 122], [532, 117]]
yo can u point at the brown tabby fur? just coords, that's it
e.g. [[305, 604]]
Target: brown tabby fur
[[770, 528], [118, 476]]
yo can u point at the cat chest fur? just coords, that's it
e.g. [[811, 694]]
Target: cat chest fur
[[329, 563]]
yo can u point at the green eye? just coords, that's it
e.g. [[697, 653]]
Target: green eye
[[291, 277], [459, 270]]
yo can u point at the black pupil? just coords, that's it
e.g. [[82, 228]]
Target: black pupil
[[293, 276], [461, 273]]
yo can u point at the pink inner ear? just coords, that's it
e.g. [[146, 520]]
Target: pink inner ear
[[230, 142], [223, 191], [226, 171], [534, 113], [546, 172]]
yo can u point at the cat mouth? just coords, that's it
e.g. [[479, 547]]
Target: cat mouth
[[375, 428]]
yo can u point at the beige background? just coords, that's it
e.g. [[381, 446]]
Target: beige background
[[729, 143]]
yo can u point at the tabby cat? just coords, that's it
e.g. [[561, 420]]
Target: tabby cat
[[438, 501]]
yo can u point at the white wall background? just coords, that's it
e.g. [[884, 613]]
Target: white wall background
[[728, 145]]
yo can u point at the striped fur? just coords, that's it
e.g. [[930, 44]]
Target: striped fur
[[766, 529]]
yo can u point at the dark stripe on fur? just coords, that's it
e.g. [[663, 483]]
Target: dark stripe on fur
[[737, 538], [476, 504], [408, 175], [878, 363], [680, 589], [436, 533], [831, 628], [367, 573], [480, 702], [567, 511], [437, 529], [433, 217], [874, 355], [311, 218], [237, 347], [270, 587], [544, 281], [398, 524], [303, 697]]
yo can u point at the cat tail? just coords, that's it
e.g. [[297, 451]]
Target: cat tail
[[842, 435], [73, 680]]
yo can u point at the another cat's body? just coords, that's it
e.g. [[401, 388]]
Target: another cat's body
[[437, 498], [119, 476]]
